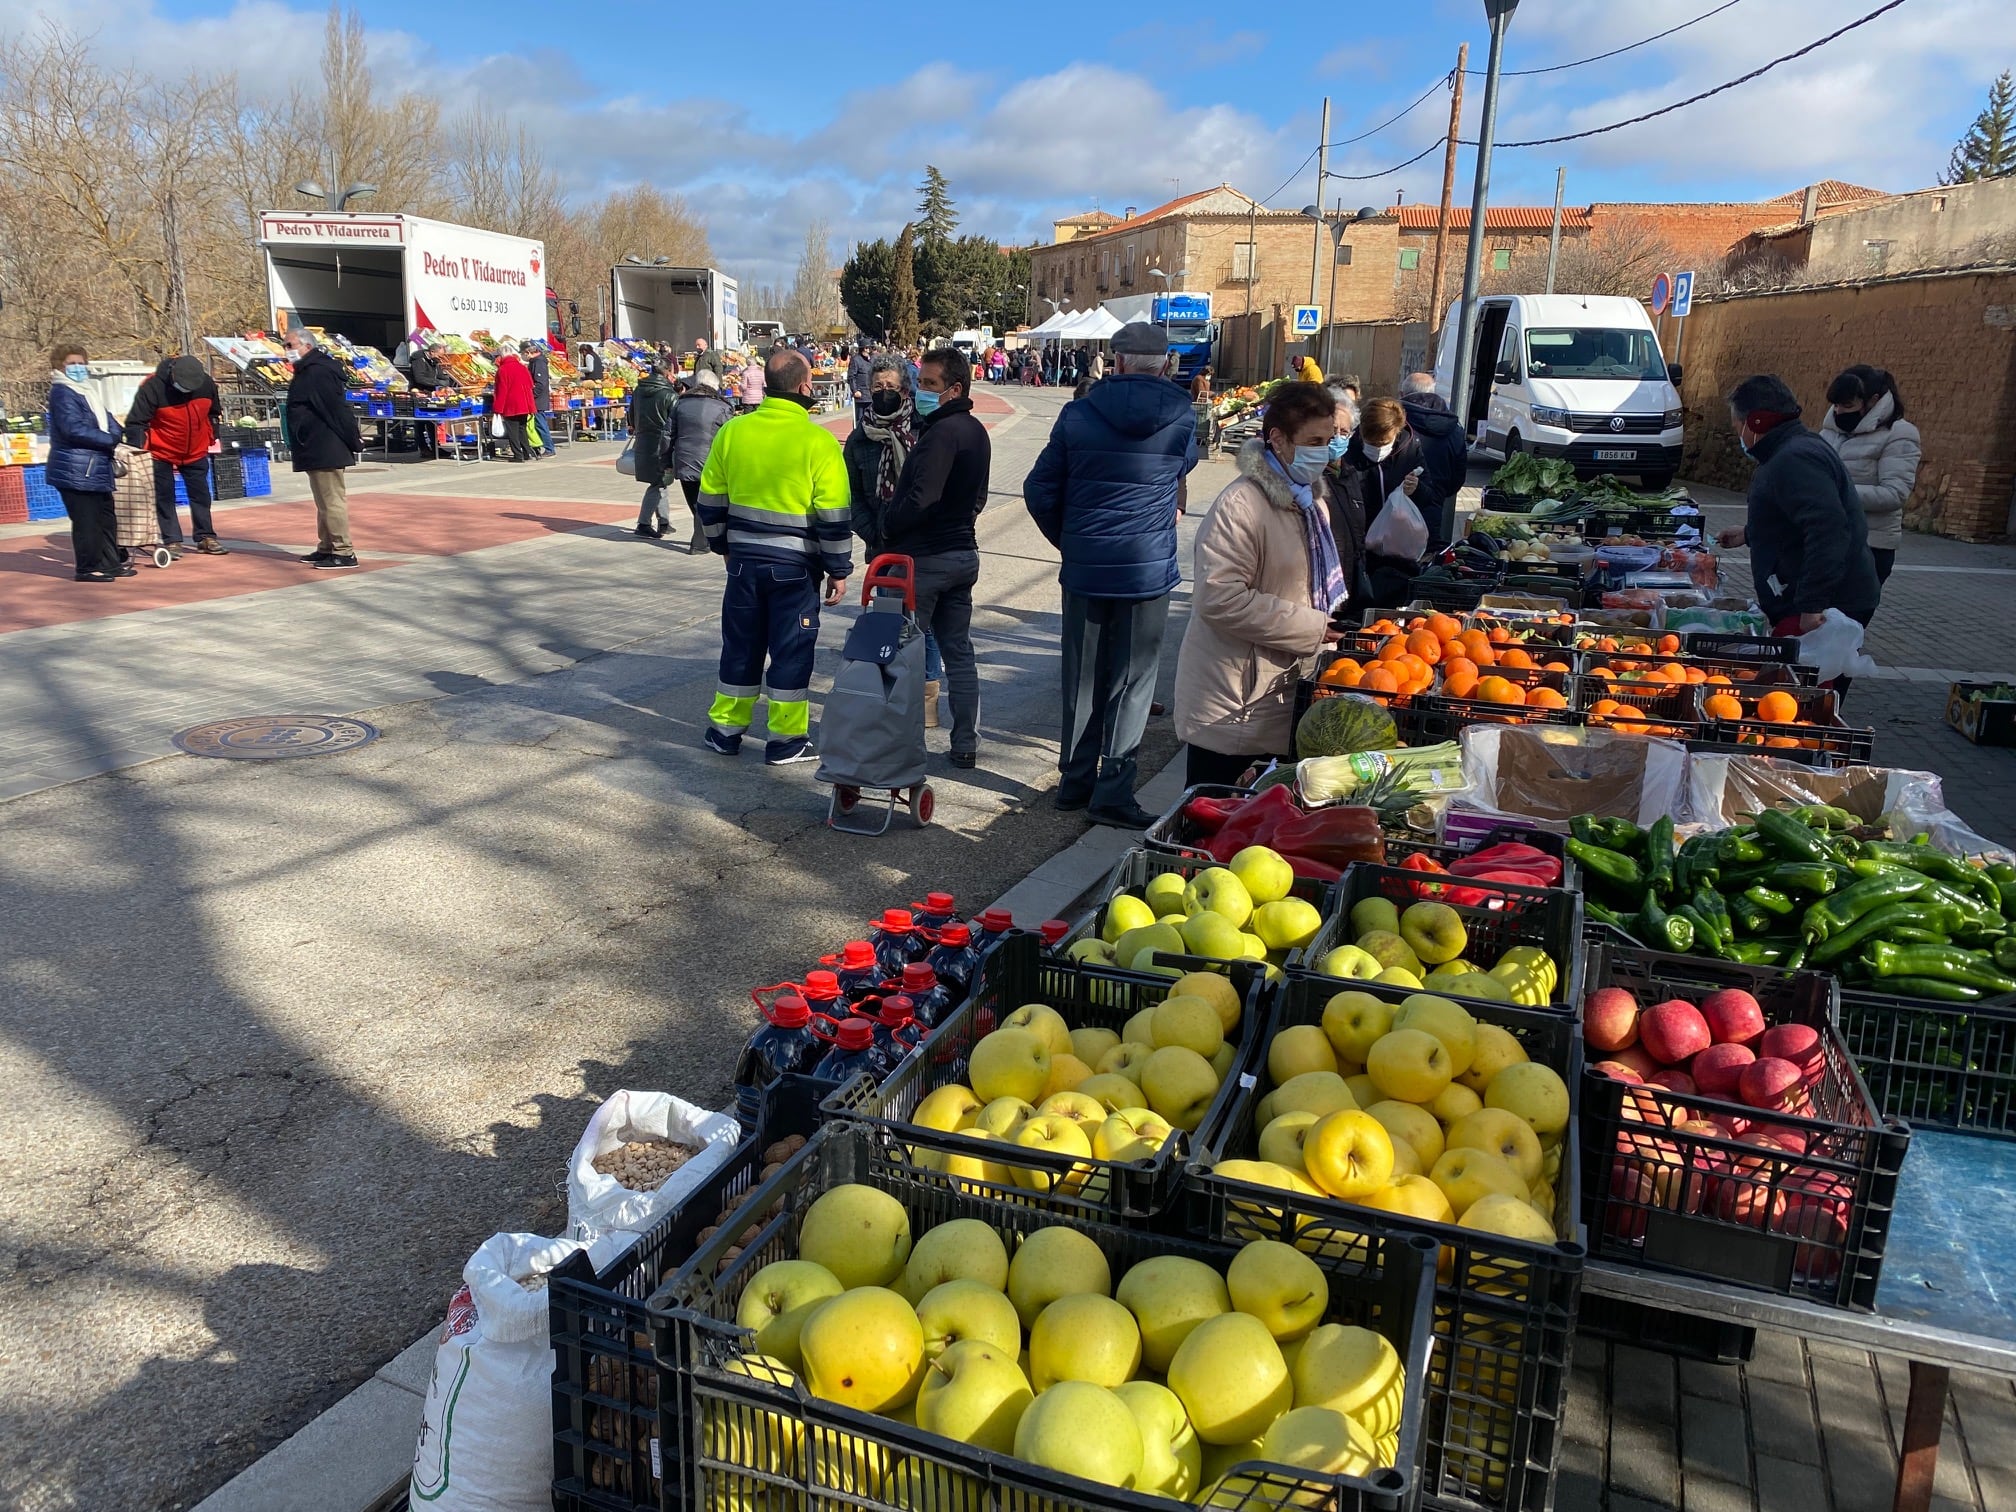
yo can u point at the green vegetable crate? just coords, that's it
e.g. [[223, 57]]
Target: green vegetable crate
[[747, 1438], [1505, 1308], [1984, 712], [1936, 1065], [1806, 1215]]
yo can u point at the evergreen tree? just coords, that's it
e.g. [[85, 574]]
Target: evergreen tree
[[936, 219], [1988, 150], [868, 286], [903, 299]]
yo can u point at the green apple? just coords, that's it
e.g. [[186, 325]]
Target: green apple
[[1003, 1116], [1318, 1092], [1089, 1044], [1209, 933], [863, 1349], [1045, 1022], [1161, 937], [1187, 1021], [1390, 951], [1089, 952], [858, 1233], [1084, 1338], [1170, 1295], [1349, 1154], [1409, 1065], [1282, 1140], [1123, 913], [1288, 924], [1353, 1022], [1215, 990], [1231, 1378], [964, 1248], [1448, 1021], [1112, 1091], [1171, 1458], [974, 1392], [1180, 1085], [1399, 976], [1055, 1262], [1125, 1059], [1009, 1063], [1131, 1134], [1217, 890], [967, 1309], [1434, 931], [1316, 1438], [1280, 1286], [1265, 874], [777, 1301], [1414, 1125], [1496, 1048], [1354, 1371], [1504, 1213], [1298, 1050], [1350, 963], [1534, 1092], [1465, 1175], [1053, 1134], [1370, 915], [1164, 893], [948, 1110], [1223, 1059], [1505, 1134], [1083, 1430]]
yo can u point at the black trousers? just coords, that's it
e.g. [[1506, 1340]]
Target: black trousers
[[514, 438], [1886, 558], [94, 531], [1214, 767], [196, 480]]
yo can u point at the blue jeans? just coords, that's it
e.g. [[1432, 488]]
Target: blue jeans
[[934, 664]]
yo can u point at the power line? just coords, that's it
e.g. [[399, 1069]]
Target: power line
[[1440, 83], [1359, 178], [1291, 177], [1527, 73], [1759, 72]]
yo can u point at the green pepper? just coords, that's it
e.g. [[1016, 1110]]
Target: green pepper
[[1933, 987], [1969, 906], [1825, 816], [1619, 835], [1874, 924], [1749, 916], [1697, 862], [1946, 963], [1769, 951], [2003, 875], [1618, 870], [1814, 878], [1601, 915], [1709, 904], [1973, 880], [1835, 913], [1770, 899], [1659, 854], [1911, 934], [1742, 848], [1793, 958], [1701, 933], [2005, 953], [1791, 839], [1660, 930]]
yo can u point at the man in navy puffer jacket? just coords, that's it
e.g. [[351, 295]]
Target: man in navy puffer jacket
[[1106, 492]]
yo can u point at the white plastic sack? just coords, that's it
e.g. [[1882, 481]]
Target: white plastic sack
[[1399, 531], [486, 1433], [497, 426], [598, 1205], [1835, 648]]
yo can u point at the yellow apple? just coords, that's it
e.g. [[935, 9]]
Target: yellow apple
[[1455, 1101], [963, 1248], [1089, 1044], [1502, 1213], [1140, 1029], [1317, 1092], [1448, 1021], [1087, 1112], [1281, 1141], [777, 1301], [971, 1167], [1534, 1092], [1084, 1338], [948, 1109], [1409, 1065], [1353, 1021], [1353, 1371], [967, 1309], [1124, 912], [1267, 1173], [1208, 933], [1009, 1063], [1506, 1135], [1043, 1021], [1280, 1286], [1411, 1197], [1399, 976], [1054, 1134], [1348, 1154], [1189, 1022], [1180, 1085], [1084, 1430], [1298, 1049], [1066, 1072], [1434, 931], [1222, 1062], [1372, 915], [1405, 1161], [736, 1434], [1125, 1059], [1217, 890], [1350, 963], [1112, 1091], [1466, 1175], [1138, 947], [1215, 990], [1231, 1378], [1413, 1125], [860, 1234], [1171, 1457], [1266, 874], [1364, 1091], [1169, 1295], [1316, 1438], [1131, 1134], [1496, 1049], [863, 1349], [1163, 892], [974, 1392], [1003, 1116], [1391, 952], [1055, 1262], [1288, 924]]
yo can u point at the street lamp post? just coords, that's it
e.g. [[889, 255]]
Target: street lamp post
[[337, 200], [1499, 14]]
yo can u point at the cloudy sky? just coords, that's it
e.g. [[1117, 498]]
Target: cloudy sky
[[766, 116]]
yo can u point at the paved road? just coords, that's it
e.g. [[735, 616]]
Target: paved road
[[285, 1042]]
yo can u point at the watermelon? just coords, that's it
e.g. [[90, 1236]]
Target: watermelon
[[1345, 724]]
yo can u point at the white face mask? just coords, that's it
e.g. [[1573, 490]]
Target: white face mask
[[1309, 463], [1378, 453]]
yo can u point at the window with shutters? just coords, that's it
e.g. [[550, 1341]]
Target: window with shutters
[[1243, 262], [1410, 259], [1501, 259]]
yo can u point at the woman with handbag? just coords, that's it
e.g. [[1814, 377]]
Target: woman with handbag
[[1383, 456], [82, 442]]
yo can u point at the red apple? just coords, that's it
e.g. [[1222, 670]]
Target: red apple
[[1771, 1085], [1673, 1031], [1636, 1058], [1661, 1161], [1732, 1124], [1717, 1068], [1746, 1194], [1631, 1194], [1733, 1016], [1674, 1080], [1617, 1071], [1817, 1207], [1797, 1043], [1609, 1019], [1785, 1136]]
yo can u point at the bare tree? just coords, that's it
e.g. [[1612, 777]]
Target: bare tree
[[814, 291]]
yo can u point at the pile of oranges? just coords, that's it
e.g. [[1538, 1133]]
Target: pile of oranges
[[1626, 719], [1470, 663], [1645, 645], [1628, 668], [1776, 707]]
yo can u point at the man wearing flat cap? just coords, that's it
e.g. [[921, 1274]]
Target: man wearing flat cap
[[174, 418]]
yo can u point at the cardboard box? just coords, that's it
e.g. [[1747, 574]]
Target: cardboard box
[[1985, 721]]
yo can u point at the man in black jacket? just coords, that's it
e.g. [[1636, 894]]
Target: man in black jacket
[[428, 377], [1808, 538], [939, 496], [1445, 453], [322, 430], [542, 394]]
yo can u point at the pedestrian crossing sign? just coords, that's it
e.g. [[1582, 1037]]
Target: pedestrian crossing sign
[[1308, 319]]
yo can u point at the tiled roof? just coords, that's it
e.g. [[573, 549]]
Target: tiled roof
[[1133, 222], [1497, 218], [1089, 218], [1832, 192]]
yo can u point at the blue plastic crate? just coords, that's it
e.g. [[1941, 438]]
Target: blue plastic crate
[[44, 502], [258, 475]]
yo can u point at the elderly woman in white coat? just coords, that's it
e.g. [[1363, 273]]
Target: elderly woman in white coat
[[1865, 424], [1269, 575]]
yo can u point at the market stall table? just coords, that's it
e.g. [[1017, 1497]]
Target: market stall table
[[1943, 1302]]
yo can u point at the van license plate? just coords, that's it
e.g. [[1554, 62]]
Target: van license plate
[[1616, 456]]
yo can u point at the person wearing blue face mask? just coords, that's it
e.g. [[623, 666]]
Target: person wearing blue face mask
[[1270, 575], [82, 437]]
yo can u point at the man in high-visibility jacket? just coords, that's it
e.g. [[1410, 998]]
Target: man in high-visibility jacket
[[774, 502]]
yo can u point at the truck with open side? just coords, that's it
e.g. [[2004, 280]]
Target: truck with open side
[[675, 305]]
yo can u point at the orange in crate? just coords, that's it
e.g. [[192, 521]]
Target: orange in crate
[[1668, 644], [1443, 628], [1722, 706], [1459, 677], [1500, 690], [1342, 673], [1426, 646], [1514, 656], [1778, 708], [1380, 679], [1546, 698]]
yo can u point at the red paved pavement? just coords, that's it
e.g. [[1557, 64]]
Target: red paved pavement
[[37, 586]]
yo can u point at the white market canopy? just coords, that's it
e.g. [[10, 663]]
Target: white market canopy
[[1099, 325], [1055, 324]]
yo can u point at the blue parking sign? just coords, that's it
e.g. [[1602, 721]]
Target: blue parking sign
[[1683, 294]]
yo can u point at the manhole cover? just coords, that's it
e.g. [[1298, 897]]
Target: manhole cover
[[266, 737]]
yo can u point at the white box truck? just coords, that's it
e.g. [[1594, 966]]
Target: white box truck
[[675, 305], [376, 277]]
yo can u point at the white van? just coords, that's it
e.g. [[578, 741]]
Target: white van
[[1578, 376]]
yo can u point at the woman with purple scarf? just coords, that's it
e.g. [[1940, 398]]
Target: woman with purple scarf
[[1270, 576]]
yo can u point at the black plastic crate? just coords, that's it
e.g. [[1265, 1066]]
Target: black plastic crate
[[1721, 1209], [1667, 708], [1680, 1334], [1451, 595], [1504, 1308], [1762, 648], [1132, 871], [608, 1452], [1716, 740], [1545, 840], [1173, 835], [1935, 1065], [907, 1155], [1508, 915], [1741, 674], [726, 1420], [1431, 719], [1989, 720]]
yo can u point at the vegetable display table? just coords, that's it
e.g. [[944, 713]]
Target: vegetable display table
[[1943, 1302]]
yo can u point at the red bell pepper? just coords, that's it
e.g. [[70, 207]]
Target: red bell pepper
[[1256, 819], [1209, 814], [1335, 836], [1533, 866]]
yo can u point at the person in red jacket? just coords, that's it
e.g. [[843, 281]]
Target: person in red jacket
[[174, 419], [511, 397]]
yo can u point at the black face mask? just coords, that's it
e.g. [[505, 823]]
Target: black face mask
[[1847, 420], [886, 402]]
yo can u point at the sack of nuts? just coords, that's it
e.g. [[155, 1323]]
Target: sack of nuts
[[640, 1155]]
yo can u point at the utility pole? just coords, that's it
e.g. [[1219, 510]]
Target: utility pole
[[1554, 235], [1499, 14], [1435, 304], [1252, 271], [1322, 173]]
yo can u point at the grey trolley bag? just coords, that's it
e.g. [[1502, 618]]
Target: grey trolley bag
[[871, 732]]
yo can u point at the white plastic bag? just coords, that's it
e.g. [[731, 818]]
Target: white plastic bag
[[598, 1205], [486, 1432], [1835, 648], [497, 426], [1399, 531]]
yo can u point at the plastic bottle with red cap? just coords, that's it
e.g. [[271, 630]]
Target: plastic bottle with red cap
[[897, 1032], [936, 911], [990, 927], [929, 997], [784, 1046], [955, 959], [896, 942], [1053, 932], [857, 970], [853, 1052]]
